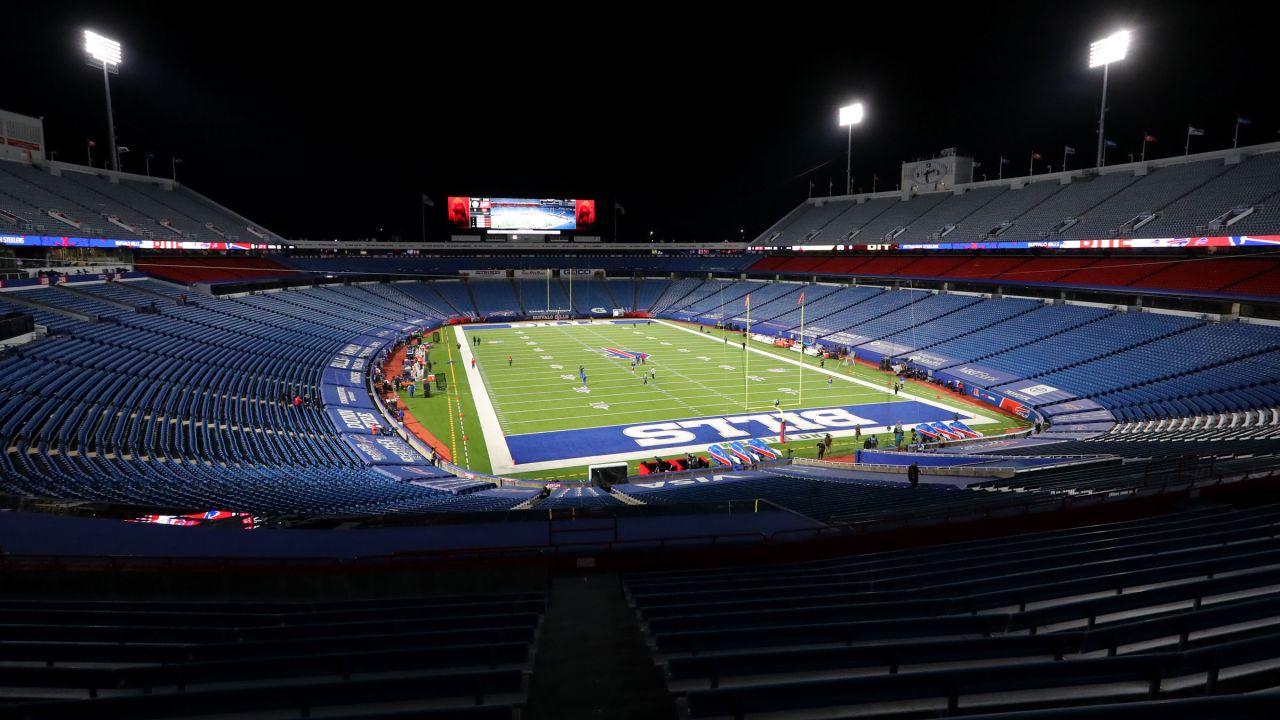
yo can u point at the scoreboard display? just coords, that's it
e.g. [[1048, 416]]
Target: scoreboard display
[[526, 215]]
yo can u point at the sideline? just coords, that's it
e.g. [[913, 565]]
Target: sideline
[[391, 368], [500, 460]]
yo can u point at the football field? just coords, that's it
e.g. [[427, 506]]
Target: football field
[[651, 388]]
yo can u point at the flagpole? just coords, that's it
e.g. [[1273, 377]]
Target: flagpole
[[1186, 149], [1144, 147], [1235, 141]]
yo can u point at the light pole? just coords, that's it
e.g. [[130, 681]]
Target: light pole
[[106, 54], [850, 115], [1104, 52]]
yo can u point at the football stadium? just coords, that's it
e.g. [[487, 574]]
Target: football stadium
[[612, 421]]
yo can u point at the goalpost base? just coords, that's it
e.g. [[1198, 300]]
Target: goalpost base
[[769, 407]]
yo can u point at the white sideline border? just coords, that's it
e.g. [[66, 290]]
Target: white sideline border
[[495, 442]]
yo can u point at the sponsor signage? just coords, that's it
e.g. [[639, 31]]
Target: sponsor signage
[[931, 360], [335, 395], [1036, 393], [355, 420], [967, 373], [384, 450], [1007, 404]]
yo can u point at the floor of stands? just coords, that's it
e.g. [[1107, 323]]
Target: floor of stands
[[592, 659]]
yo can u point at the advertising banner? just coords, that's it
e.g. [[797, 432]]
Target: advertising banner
[[968, 373], [360, 421], [1036, 393], [1003, 402], [350, 377], [384, 450], [345, 396]]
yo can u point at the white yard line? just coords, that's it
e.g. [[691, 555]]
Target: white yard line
[[499, 454]]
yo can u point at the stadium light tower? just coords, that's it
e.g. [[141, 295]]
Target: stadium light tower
[[106, 54], [1104, 52], [850, 115]]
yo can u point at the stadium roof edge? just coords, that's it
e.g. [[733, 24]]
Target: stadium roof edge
[[58, 167], [1023, 180]]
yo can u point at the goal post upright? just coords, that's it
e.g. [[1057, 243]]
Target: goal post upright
[[801, 388], [746, 360]]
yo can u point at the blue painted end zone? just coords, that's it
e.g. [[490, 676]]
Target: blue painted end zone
[[657, 437]]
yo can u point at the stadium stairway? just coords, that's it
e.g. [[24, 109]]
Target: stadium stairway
[[99, 298], [151, 287], [25, 300], [471, 296], [614, 299], [603, 672], [515, 290]]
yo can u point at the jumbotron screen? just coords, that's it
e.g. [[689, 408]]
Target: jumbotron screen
[[521, 214]]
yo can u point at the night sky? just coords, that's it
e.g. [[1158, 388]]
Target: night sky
[[321, 124]]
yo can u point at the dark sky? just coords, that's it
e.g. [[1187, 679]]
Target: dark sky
[[323, 123]]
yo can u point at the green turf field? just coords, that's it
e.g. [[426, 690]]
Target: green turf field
[[690, 375]]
